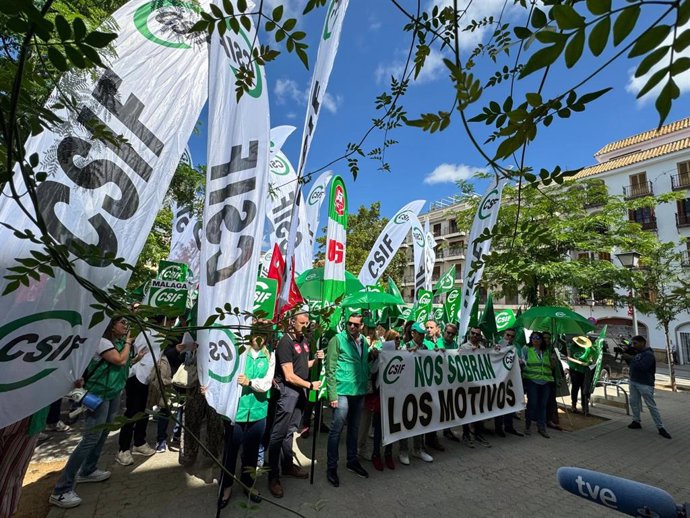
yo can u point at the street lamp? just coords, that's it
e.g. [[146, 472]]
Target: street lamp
[[631, 260]]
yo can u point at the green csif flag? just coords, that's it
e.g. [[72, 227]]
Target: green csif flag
[[446, 282], [424, 306], [452, 305], [487, 323], [474, 314]]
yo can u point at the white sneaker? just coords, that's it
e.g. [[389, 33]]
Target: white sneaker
[[65, 500], [98, 475], [421, 454], [124, 458], [58, 427], [404, 458], [144, 449]]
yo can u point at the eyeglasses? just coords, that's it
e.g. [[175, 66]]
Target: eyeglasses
[[536, 338], [354, 324]]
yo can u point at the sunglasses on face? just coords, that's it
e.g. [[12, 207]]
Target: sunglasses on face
[[353, 324]]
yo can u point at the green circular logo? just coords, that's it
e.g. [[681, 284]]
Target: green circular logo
[[402, 218], [239, 51], [488, 203], [171, 273], [331, 18], [316, 195], [223, 348], [418, 236], [509, 359], [167, 22], [425, 298], [502, 319], [279, 166], [453, 296], [447, 283]]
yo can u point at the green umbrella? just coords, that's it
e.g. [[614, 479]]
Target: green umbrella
[[310, 283], [371, 300], [558, 320]]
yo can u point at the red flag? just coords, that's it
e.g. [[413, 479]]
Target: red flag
[[278, 272]]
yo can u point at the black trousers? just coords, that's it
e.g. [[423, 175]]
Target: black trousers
[[247, 437], [287, 419], [136, 395], [578, 381]]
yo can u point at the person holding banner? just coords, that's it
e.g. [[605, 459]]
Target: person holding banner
[[292, 381], [579, 359], [474, 343], [418, 333], [373, 402], [105, 378], [538, 374], [250, 420], [347, 375], [504, 423]]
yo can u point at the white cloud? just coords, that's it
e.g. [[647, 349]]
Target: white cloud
[[291, 115], [288, 90], [434, 67], [449, 173], [291, 8], [635, 84]]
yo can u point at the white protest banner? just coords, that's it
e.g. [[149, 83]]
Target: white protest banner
[[429, 256], [388, 243], [236, 187], [317, 195], [98, 193], [418, 244], [487, 214], [425, 391], [283, 187], [185, 242]]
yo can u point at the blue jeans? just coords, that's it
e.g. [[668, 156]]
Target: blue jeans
[[639, 391], [537, 401], [85, 456], [349, 410]]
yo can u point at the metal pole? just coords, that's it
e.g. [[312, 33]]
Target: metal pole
[[634, 314]]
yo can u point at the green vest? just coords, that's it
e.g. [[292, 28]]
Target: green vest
[[537, 369], [431, 345], [106, 379], [584, 354], [347, 371], [448, 345], [253, 406]]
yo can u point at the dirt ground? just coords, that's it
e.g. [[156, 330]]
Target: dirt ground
[[38, 483]]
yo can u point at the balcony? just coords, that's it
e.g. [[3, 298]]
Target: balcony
[[648, 224], [680, 182], [638, 191], [682, 220], [454, 253]]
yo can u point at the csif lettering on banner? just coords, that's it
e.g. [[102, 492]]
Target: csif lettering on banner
[[185, 242], [424, 306], [98, 193], [388, 243], [418, 246], [283, 187], [425, 391], [485, 219], [236, 186], [429, 256], [336, 242], [317, 195]]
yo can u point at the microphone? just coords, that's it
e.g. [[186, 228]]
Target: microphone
[[619, 494]]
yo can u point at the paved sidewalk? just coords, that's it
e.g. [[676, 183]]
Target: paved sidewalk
[[515, 477]]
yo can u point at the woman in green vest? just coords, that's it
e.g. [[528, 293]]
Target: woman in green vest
[[250, 420], [537, 373], [105, 377]]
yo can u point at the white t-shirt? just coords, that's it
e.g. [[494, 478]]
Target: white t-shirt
[[103, 346], [143, 367]]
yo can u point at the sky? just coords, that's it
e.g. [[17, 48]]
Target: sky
[[425, 166]]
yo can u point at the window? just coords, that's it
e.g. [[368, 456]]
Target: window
[[452, 226], [683, 207], [458, 269], [437, 230], [436, 273], [604, 256], [583, 256], [482, 294], [638, 184], [511, 295], [643, 215], [684, 172]]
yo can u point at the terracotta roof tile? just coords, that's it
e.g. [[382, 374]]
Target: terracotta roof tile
[[644, 136], [633, 158]]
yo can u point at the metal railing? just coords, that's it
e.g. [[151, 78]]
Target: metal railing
[[649, 224], [682, 220], [638, 191], [680, 182]]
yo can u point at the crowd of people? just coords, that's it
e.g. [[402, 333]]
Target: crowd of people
[[281, 371]]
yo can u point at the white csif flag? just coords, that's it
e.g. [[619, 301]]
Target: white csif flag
[[418, 246], [98, 193], [317, 195], [487, 214], [236, 187], [388, 243], [429, 255]]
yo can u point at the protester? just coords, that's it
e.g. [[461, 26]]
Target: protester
[[292, 381], [54, 423], [642, 374], [580, 357], [370, 332], [418, 333], [373, 402], [538, 373], [137, 394], [347, 374], [433, 341], [105, 377], [552, 419], [449, 342], [474, 343], [504, 423], [433, 332], [250, 420]]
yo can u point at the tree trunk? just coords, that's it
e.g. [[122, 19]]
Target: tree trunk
[[669, 359]]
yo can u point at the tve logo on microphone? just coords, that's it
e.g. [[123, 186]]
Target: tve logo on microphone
[[600, 495]]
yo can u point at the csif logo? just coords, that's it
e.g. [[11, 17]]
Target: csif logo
[[559, 314], [279, 166], [453, 296], [167, 23], [223, 353], [509, 359], [418, 236], [331, 18], [502, 319], [425, 299], [488, 203], [238, 50], [447, 283], [171, 273], [167, 297], [394, 368], [36, 339], [403, 217], [316, 195]]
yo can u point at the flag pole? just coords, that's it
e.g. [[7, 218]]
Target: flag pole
[[316, 428]]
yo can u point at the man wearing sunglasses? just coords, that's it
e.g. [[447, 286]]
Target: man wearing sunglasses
[[347, 375]]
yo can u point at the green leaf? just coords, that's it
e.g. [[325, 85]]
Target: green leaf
[[649, 40], [241, 5], [509, 146], [534, 99], [270, 26], [567, 17], [79, 28], [246, 23], [99, 39], [17, 24], [57, 59], [588, 98], [650, 60], [522, 33], [599, 6], [96, 319], [669, 92], [215, 10], [573, 51], [682, 41], [625, 23], [277, 13], [538, 18], [542, 58], [679, 66], [91, 54], [653, 81], [289, 24], [600, 36], [63, 28], [76, 57], [11, 7]]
